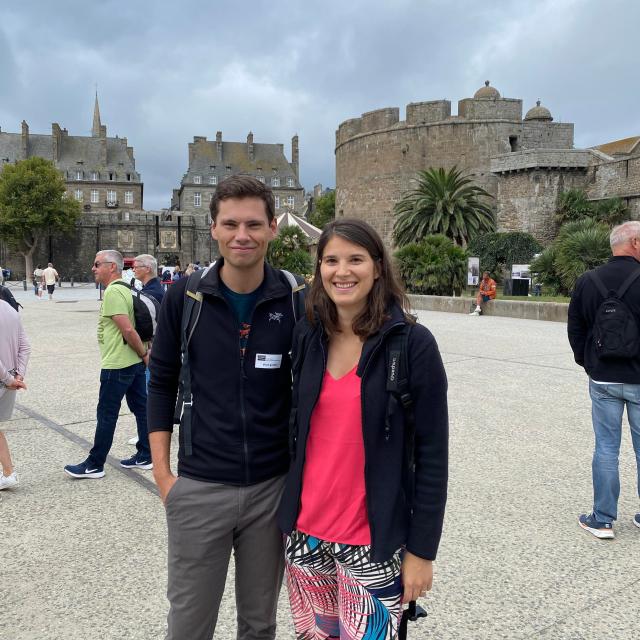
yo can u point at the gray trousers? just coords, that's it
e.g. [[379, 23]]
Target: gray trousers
[[205, 522]]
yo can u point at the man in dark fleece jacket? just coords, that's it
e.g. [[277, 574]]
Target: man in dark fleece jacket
[[614, 382], [232, 460]]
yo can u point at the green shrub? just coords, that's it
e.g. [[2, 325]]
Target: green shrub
[[499, 251], [289, 250], [435, 266]]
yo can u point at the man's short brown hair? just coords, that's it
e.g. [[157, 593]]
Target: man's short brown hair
[[242, 187]]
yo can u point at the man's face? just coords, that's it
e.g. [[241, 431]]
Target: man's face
[[485, 275], [243, 231], [142, 272], [102, 269]]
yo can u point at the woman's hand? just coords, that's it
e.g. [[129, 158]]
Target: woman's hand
[[417, 577]]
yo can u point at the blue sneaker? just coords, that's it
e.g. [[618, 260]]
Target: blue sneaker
[[636, 520], [136, 463], [84, 470], [600, 530]]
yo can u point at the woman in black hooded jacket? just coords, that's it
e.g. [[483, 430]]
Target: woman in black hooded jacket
[[363, 504]]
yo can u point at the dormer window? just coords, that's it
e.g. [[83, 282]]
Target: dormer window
[[94, 176], [197, 179], [79, 174], [261, 178], [128, 177], [112, 176], [213, 179], [290, 182], [275, 181]]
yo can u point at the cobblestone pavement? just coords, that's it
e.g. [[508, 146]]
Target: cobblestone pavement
[[86, 559]]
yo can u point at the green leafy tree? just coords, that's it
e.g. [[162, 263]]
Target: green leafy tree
[[289, 250], [499, 251], [573, 205], [444, 202], [324, 210], [433, 266], [32, 205], [579, 246]]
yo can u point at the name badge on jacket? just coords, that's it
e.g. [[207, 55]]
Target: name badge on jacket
[[268, 360]]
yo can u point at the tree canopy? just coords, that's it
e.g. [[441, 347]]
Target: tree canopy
[[324, 210], [444, 202], [289, 251], [33, 204], [573, 205]]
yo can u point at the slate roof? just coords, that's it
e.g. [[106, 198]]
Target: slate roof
[[626, 146], [74, 148], [235, 155]]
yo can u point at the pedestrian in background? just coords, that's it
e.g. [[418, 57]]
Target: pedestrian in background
[[14, 355], [49, 278]]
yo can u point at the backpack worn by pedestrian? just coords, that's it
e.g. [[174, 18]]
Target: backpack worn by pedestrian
[[190, 316], [7, 296], [615, 330], [145, 312]]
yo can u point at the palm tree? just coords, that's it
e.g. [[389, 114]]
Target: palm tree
[[444, 202]]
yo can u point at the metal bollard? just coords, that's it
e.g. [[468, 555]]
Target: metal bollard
[[24, 284], [72, 281]]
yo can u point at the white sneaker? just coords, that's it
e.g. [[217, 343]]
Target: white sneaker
[[474, 313], [6, 482], [133, 440]]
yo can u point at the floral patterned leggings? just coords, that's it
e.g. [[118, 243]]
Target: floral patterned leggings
[[336, 592]]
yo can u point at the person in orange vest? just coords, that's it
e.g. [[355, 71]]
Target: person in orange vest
[[486, 292]]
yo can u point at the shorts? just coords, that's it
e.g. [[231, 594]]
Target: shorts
[[486, 298], [7, 403], [50, 288]]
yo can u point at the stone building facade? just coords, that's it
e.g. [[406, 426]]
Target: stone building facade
[[525, 163]]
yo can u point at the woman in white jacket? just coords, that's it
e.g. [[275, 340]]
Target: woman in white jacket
[[14, 355]]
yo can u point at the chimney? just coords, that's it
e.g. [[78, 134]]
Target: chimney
[[250, 146], [25, 141], [295, 156], [219, 144], [56, 137], [130, 154], [192, 154]]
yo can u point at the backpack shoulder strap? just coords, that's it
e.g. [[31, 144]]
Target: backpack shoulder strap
[[595, 278], [122, 284], [192, 301], [298, 287], [631, 278]]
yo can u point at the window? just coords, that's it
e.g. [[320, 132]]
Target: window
[[513, 143], [95, 194], [79, 174], [78, 195], [275, 182], [197, 179], [112, 176], [112, 198], [94, 176], [126, 216], [277, 202], [128, 197], [291, 201], [128, 177], [290, 182], [197, 199], [261, 178], [213, 179]]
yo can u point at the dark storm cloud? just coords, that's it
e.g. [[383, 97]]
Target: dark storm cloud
[[167, 71]]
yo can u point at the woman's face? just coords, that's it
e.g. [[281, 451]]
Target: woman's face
[[348, 273]]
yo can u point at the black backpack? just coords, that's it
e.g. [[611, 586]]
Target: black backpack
[[615, 330], [145, 312], [7, 296]]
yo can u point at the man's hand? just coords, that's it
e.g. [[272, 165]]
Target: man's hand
[[16, 384], [165, 482], [417, 577]]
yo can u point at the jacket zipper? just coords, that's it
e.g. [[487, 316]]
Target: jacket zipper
[[366, 469]]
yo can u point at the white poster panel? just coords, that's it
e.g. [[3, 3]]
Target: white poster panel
[[473, 272], [521, 271]]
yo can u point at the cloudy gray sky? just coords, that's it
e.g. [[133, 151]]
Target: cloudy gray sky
[[168, 70]]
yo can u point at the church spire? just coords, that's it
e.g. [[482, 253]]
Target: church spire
[[95, 131]]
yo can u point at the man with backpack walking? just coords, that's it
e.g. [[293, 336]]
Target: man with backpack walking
[[123, 359], [604, 333], [225, 334]]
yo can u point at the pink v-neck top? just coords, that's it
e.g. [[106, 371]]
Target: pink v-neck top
[[333, 504]]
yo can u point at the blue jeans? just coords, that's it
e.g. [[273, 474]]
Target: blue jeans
[[607, 406], [116, 384]]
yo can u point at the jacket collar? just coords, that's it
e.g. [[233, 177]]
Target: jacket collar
[[272, 285], [396, 319]]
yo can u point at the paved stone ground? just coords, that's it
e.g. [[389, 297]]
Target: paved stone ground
[[86, 559]]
